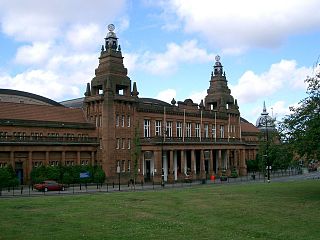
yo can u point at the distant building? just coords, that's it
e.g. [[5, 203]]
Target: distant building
[[177, 140]]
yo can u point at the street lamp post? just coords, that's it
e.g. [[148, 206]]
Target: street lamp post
[[267, 148], [118, 171]]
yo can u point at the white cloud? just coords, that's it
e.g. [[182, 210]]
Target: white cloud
[[168, 61], [36, 53], [37, 20], [45, 83], [198, 96], [83, 37], [251, 86], [244, 24], [167, 95], [61, 43]]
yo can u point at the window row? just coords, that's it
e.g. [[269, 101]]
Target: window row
[[123, 120], [123, 166], [123, 143], [56, 163], [97, 120], [37, 135], [209, 130], [3, 164]]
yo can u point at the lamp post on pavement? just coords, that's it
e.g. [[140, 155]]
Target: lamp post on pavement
[[118, 171], [267, 149]]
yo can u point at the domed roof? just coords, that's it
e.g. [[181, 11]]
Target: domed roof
[[265, 122]]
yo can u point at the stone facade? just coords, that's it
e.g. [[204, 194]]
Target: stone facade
[[177, 141]]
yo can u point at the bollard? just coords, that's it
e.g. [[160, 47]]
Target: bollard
[[21, 190], [112, 184], [141, 184]]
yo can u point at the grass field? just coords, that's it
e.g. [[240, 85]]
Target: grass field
[[250, 211]]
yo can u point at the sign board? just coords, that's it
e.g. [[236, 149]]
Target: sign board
[[84, 175]]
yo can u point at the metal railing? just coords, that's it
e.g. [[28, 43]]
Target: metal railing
[[47, 140]]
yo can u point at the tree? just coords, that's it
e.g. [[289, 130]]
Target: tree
[[301, 129], [8, 177], [99, 175], [136, 153]]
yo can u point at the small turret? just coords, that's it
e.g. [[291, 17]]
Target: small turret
[[88, 90], [134, 92]]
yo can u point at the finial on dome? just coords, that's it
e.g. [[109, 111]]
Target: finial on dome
[[111, 27], [173, 101]]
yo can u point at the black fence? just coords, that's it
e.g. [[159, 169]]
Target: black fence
[[110, 187]]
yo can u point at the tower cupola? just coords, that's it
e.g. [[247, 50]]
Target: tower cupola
[[111, 38]]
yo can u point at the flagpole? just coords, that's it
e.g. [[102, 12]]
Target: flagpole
[[200, 124], [215, 126], [184, 124]]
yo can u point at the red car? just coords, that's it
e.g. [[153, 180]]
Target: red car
[[49, 185]]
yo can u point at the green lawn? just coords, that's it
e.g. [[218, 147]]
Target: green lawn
[[249, 211]]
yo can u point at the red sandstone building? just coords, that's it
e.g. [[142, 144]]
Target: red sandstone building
[[177, 140]]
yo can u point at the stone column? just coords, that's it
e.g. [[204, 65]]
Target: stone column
[[183, 162], [29, 167], [202, 167], [219, 161], [92, 158], [171, 168], [12, 159], [165, 165], [193, 164], [243, 167], [211, 170], [235, 160], [63, 158], [175, 163], [47, 158], [157, 166], [78, 158]]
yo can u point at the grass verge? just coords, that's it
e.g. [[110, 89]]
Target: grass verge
[[250, 211]]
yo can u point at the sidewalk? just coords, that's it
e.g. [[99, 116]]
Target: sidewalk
[[25, 191]]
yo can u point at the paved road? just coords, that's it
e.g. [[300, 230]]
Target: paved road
[[109, 188]]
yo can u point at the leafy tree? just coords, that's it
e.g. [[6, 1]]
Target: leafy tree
[[301, 129], [8, 177], [136, 152], [54, 172], [252, 165], [99, 175], [39, 174]]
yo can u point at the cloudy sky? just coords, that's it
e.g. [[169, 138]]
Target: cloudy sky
[[267, 47]]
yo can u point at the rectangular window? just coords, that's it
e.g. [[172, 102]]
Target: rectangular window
[[158, 127], [122, 121], [118, 143], [179, 129], [206, 130], [129, 143], [123, 165], [221, 131], [146, 127], [188, 129], [117, 120], [97, 121], [169, 129], [128, 121], [123, 143], [129, 165], [214, 132], [198, 132]]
